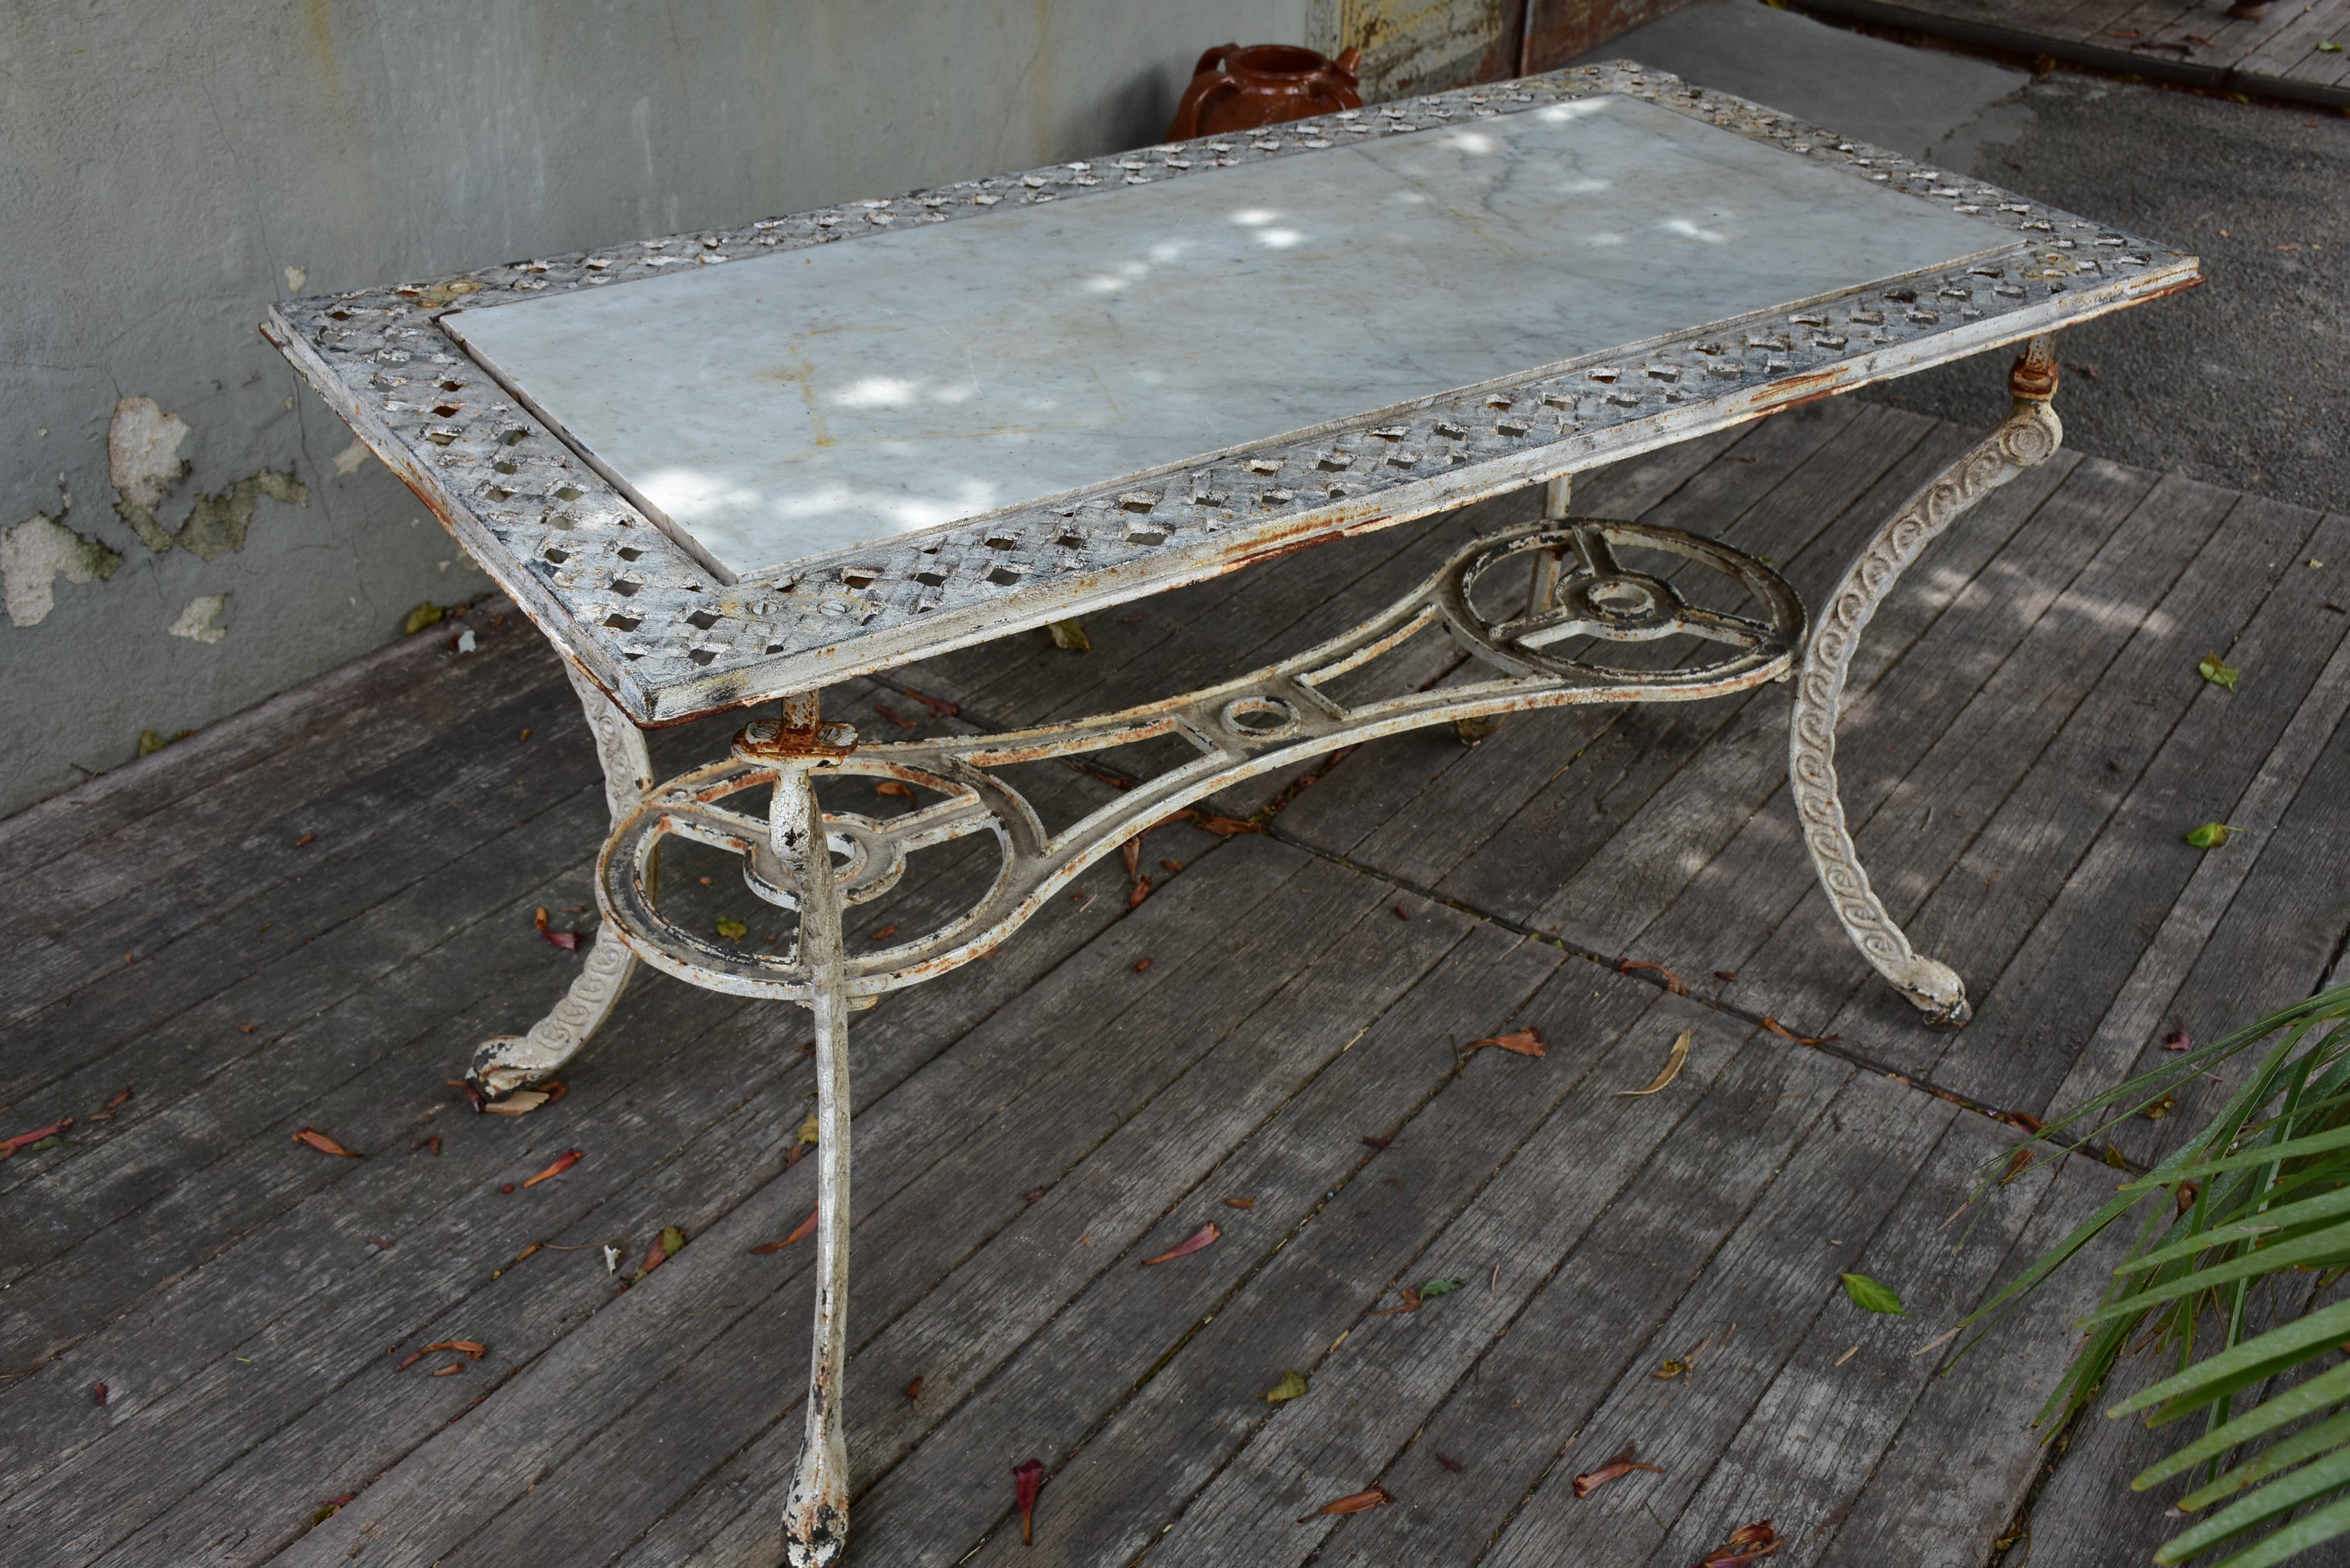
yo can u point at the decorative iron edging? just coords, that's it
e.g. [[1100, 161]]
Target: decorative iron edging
[[670, 642]]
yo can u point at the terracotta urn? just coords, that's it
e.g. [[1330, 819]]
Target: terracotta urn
[[1234, 90]]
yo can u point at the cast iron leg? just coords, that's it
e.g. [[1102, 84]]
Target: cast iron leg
[[2028, 438], [505, 1062], [816, 1515]]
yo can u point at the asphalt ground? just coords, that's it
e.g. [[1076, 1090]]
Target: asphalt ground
[[2243, 382]]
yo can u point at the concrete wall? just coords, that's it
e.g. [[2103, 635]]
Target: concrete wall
[[166, 170]]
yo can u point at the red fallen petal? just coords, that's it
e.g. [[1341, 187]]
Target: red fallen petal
[[1027, 1477], [570, 1158], [10, 1146], [1205, 1236], [1622, 1464], [806, 1229], [1353, 1502]]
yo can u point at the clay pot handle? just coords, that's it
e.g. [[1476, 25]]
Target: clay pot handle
[[1204, 86]]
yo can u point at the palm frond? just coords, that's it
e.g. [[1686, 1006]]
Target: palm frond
[[2257, 1198]]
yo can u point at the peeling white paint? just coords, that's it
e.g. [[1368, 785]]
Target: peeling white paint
[[142, 451], [199, 621], [348, 460], [35, 553]]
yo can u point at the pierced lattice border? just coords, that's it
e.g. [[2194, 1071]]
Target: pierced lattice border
[[671, 641]]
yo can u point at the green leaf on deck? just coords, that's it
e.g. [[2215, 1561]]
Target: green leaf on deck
[[672, 1241], [1292, 1385], [2217, 670], [2210, 835], [423, 615], [1068, 634], [732, 928], [1870, 1295], [1435, 1288]]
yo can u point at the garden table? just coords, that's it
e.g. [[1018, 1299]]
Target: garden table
[[728, 467]]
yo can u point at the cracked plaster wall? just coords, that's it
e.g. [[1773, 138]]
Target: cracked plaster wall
[[166, 172]]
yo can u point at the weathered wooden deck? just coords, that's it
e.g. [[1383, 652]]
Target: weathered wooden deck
[[306, 916], [2295, 51]]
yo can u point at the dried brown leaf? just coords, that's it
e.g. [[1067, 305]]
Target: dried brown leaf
[[1141, 891], [895, 786], [121, 1097], [323, 1143], [1784, 1032], [1410, 1303], [1525, 1042], [1240, 1202], [1747, 1544], [914, 1390], [938, 709], [1673, 1064], [1205, 1236], [1353, 1502], [1445, 1459], [1223, 827], [521, 1102], [1672, 982]]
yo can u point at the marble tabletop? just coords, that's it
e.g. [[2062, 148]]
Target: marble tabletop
[[772, 411], [725, 465]]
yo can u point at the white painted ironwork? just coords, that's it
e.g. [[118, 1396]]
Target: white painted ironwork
[[1538, 657], [2028, 437], [670, 642], [505, 1062]]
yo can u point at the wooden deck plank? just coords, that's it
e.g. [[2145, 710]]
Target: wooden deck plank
[[708, 1151], [2079, 835], [1974, 837], [1716, 836], [1583, 1311], [1806, 1453], [934, 1171], [331, 728], [1111, 1497], [1085, 1362], [384, 1107], [1083, 1226]]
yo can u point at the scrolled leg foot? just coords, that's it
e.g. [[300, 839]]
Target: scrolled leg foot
[[2028, 437], [505, 1062]]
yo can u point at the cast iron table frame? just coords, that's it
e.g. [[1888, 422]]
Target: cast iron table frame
[[650, 637]]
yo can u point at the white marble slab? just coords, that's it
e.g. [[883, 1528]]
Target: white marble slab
[[780, 407]]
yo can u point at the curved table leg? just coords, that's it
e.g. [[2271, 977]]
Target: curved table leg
[[505, 1062], [816, 1513], [2028, 437]]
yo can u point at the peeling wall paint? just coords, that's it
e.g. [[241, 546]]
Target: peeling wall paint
[[199, 622], [38, 551]]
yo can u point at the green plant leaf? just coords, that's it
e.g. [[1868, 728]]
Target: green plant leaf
[[2276, 1457], [2268, 1154], [1440, 1288], [672, 1241], [2328, 1327], [2290, 1406], [1069, 635], [2277, 1497], [2250, 1265], [2294, 1539], [2210, 835], [732, 928], [2218, 670], [1870, 1295], [1292, 1385]]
